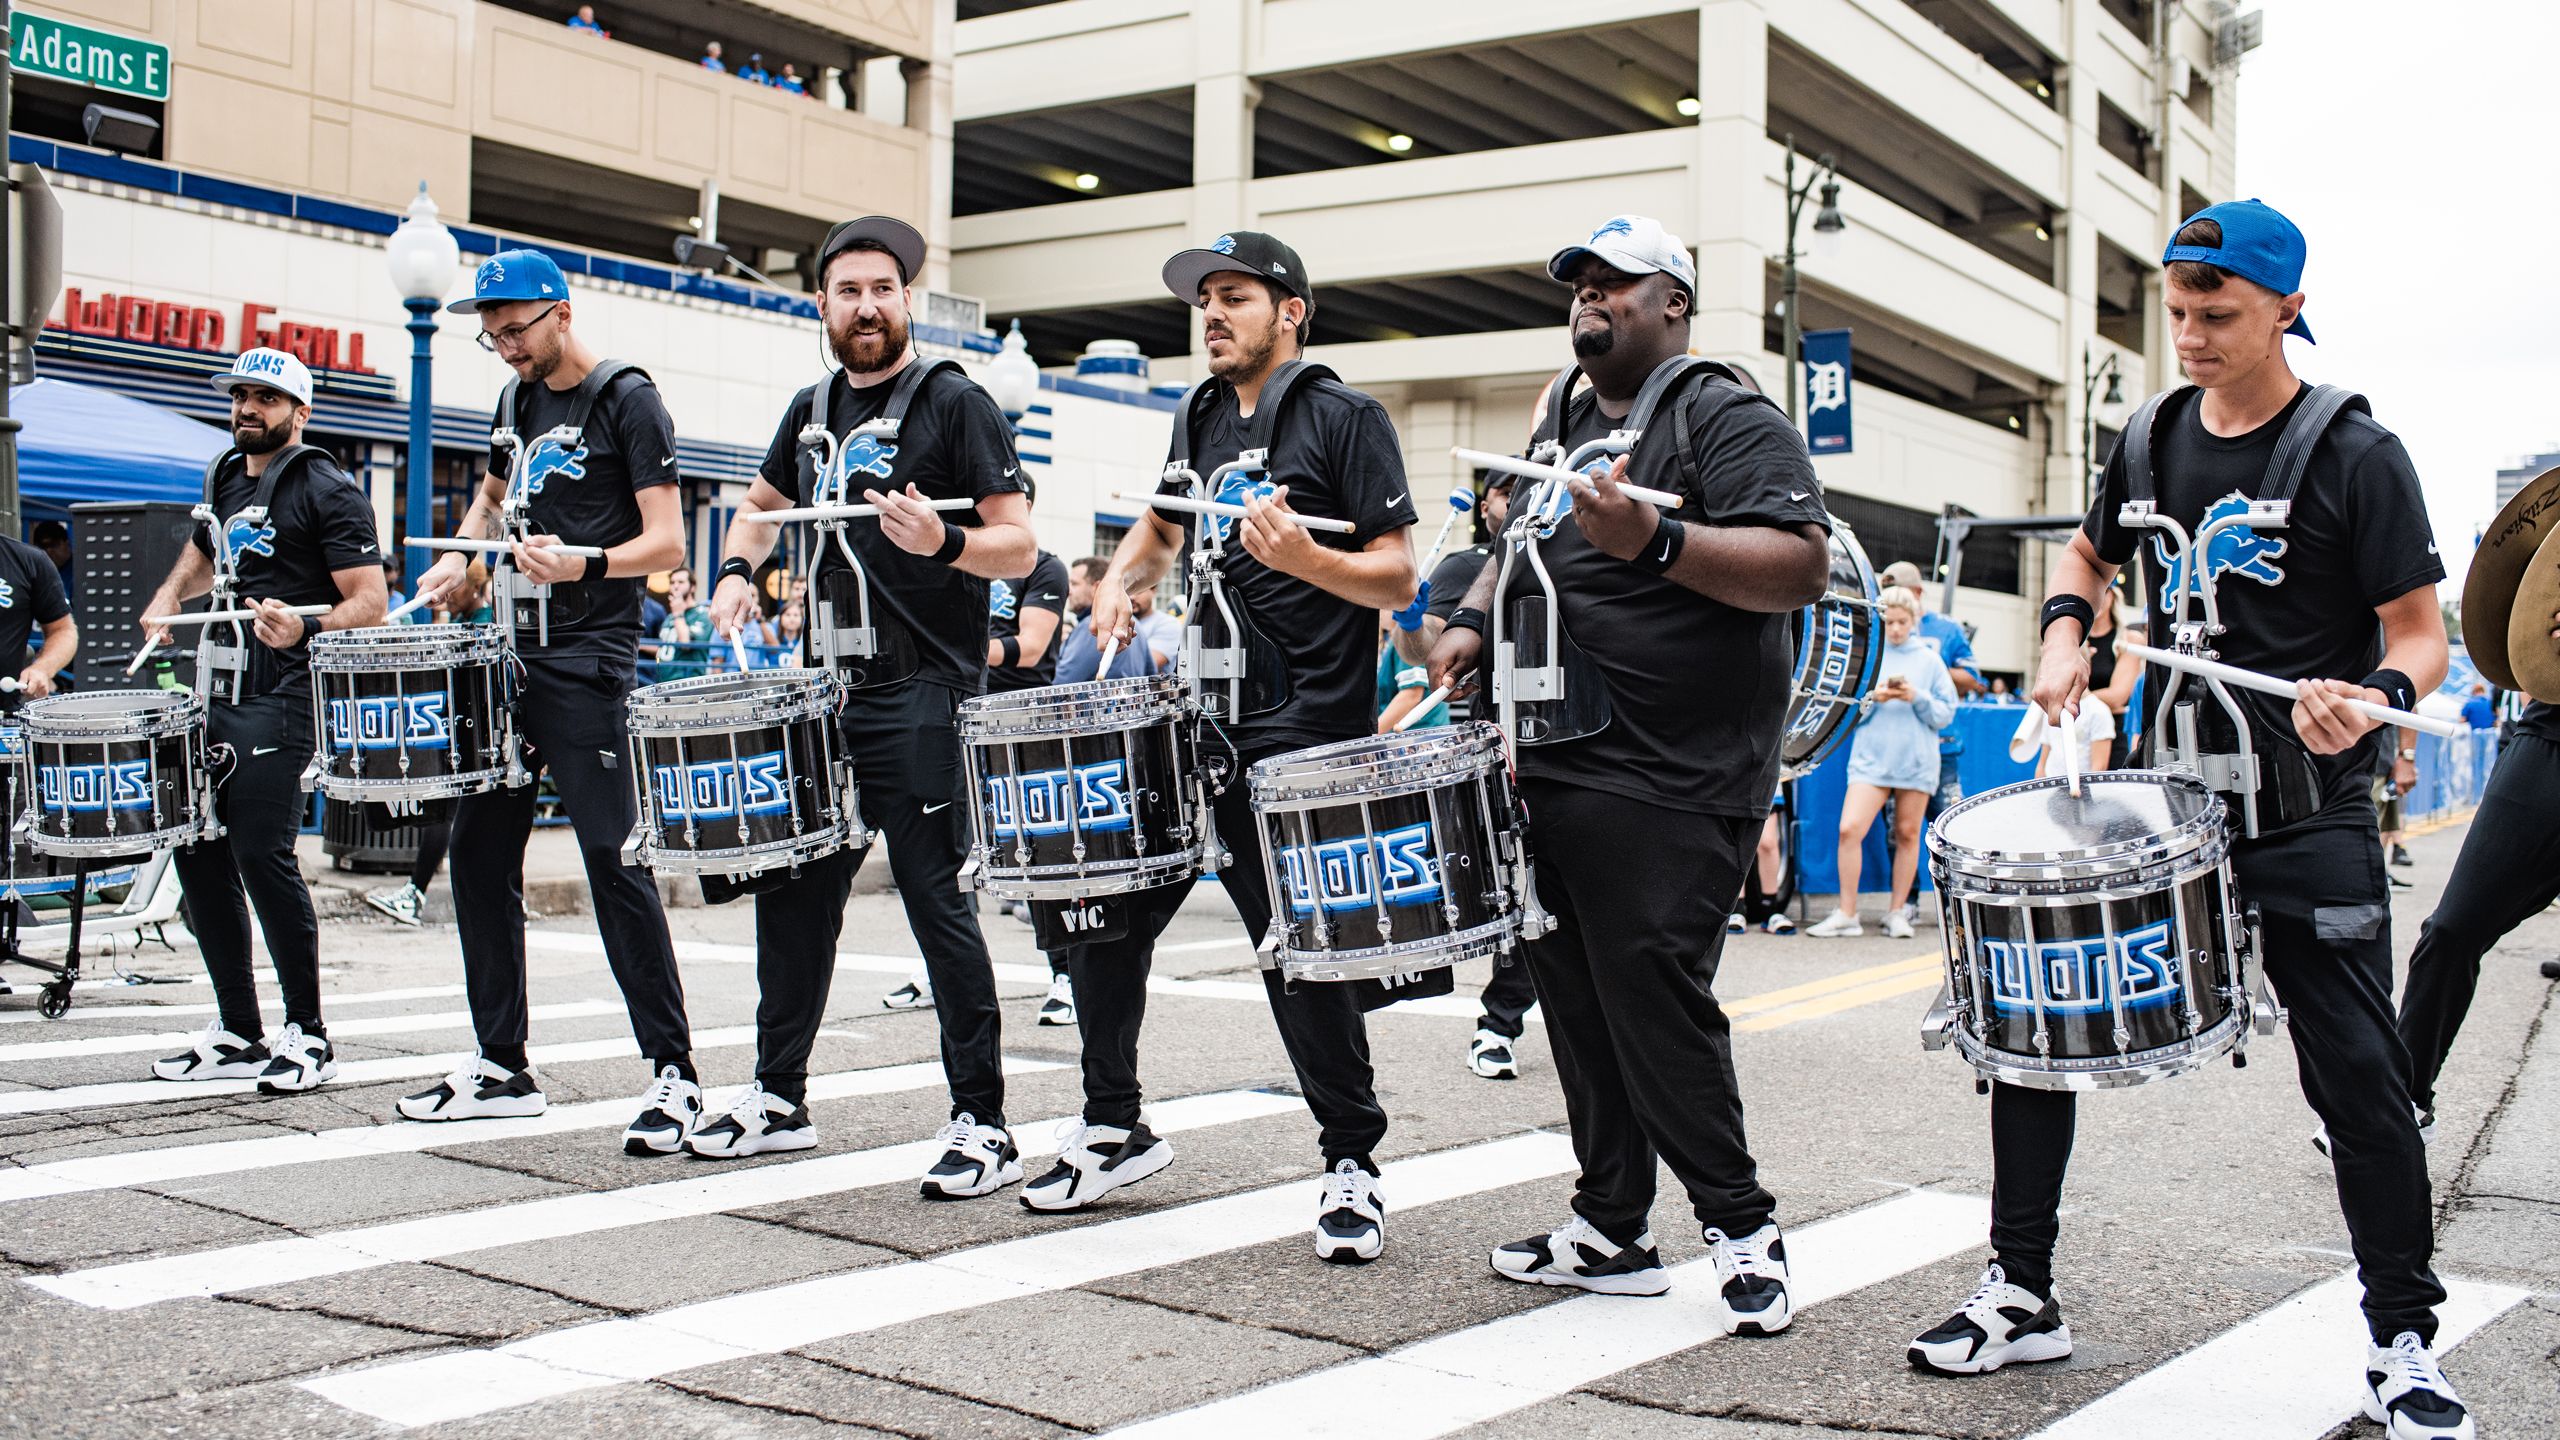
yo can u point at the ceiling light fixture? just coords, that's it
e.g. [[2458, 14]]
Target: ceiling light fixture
[[1399, 143], [1088, 181], [1688, 105]]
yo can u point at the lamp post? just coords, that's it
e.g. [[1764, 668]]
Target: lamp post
[[1827, 225], [2110, 370], [1013, 377], [422, 256]]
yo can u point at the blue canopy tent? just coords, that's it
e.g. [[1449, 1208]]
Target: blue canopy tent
[[84, 443]]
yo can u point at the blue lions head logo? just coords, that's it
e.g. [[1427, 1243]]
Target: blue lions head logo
[[1224, 245], [1620, 226], [8, 594], [1001, 601], [2236, 551], [240, 537], [1237, 488], [867, 456], [548, 457]]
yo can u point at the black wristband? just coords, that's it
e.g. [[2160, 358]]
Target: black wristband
[[2402, 690], [1662, 551], [2068, 606], [595, 568], [310, 626], [735, 565], [1011, 648], [1463, 618], [954, 540]]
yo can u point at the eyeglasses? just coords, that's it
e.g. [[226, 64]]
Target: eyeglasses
[[490, 340]]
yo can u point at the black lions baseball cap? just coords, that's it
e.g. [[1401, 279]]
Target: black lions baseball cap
[[1249, 251], [895, 236]]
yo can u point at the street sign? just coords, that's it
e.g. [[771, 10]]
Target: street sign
[[1826, 391], [35, 264], [82, 55]]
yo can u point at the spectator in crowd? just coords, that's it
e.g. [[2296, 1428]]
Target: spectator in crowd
[[753, 71], [790, 629], [2110, 683], [2396, 776], [1768, 877], [1403, 684], [711, 60], [50, 537], [2480, 712], [790, 80], [1081, 655], [685, 638], [2000, 693], [1159, 632], [2095, 729], [761, 639], [1945, 634], [1895, 760], [585, 20], [653, 613]]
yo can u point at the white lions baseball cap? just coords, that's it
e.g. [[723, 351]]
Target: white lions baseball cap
[[272, 368], [1633, 244]]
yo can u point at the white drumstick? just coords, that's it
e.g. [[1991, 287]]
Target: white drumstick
[[1417, 712], [2291, 690], [148, 645], [491, 547], [738, 647], [216, 617], [2071, 749], [425, 597], [2030, 736], [1110, 652], [1530, 469], [1460, 502], [837, 512], [1220, 507]]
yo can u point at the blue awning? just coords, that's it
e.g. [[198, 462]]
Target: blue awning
[[82, 443]]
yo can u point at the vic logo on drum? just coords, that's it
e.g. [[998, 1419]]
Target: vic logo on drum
[[85, 789], [2076, 977], [1362, 872], [1053, 802], [721, 789], [389, 722], [2238, 550]]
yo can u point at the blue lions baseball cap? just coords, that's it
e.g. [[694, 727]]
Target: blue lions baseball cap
[[2258, 244], [509, 276]]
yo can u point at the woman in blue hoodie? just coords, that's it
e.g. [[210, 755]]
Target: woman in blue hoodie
[[1894, 757]]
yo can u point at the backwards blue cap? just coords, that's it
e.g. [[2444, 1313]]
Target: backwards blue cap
[[2258, 245], [512, 275]]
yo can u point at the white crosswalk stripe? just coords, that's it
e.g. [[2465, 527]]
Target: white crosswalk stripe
[[1442, 1385], [768, 1321], [2290, 1373], [232, 1157], [145, 1010], [376, 1025], [242, 1267]]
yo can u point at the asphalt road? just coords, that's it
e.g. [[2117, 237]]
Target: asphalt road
[[179, 1263]]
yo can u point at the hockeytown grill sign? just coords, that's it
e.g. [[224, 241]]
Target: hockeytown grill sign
[[206, 329]]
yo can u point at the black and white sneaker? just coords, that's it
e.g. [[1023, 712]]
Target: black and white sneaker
[[668, 1114], [758, 1122], [2406, 1393], [2425, 1117], [916, 994], [217, 1055], [1490, 1056], [302, 1062], [1093, 1161], [1751, 1273], [1351, 1216], [480, 1090], [405, 904], [1998, 1324], [1580, 1256], [976, 1160], [1060, 1007]]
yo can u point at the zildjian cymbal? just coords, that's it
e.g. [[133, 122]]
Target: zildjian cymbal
[[2530, 650], [2506, 551]]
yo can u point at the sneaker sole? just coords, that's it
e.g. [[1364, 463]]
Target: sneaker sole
[[2025, 1350], [241, 1070], [1011, 1174], [646, 1142], [2374, 1412], [1067, 1019], [1157, 1163], [763, 1145], [1642, 1286], [1494, 1072], [1338, 1251], [1756, 1324], [327, 1073], [511, 1109]]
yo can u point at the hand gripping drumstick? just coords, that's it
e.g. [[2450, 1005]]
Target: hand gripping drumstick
[[1220, 507], [490, 547], [2291, 690], [424, 597], [1532, 470], [1110, 652], [837, 512], [207, 617]]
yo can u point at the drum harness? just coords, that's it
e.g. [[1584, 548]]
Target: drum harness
[[222, 667], [525, 605], [851, 645]]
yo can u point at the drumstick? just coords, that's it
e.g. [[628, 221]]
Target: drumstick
[[837, 512], [738, 646], [2291, 690], [1460, 502], [2071, 749], [574, 552], [1220, 507], [1110, 652], [1418, 711], [149, 644], [1530, 469], [216, 617]]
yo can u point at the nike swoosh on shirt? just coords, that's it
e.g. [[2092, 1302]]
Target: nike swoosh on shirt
[[1794, 495], [1008, 474], [1399, 496], [264, 750], [670, 460], [945, 805]]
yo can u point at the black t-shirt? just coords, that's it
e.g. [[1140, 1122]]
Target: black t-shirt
[[1453, 576], [1336, 452], [1697, 688], [2539, 718], [588, 495], [317, 523], [2296, 602], [1045, 588], [30, 595], [953, 445]]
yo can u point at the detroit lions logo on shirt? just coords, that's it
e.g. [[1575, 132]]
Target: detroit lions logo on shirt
[[1237, 488], [243, 538], [1001, 601], [2238, 550], [548, 457], [867, 456], [8, 595]]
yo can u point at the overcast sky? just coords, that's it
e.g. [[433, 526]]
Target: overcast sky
[[2412, 144]]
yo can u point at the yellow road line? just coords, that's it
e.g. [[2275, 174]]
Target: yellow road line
[[1776, 999], [2435, 823], [1833, 1004]]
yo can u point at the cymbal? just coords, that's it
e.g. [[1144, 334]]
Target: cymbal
[[2506, 550], [2529, 648]]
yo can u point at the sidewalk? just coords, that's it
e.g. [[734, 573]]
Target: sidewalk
[[555, 880]]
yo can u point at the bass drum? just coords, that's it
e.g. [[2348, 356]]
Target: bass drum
[[1839, 639]]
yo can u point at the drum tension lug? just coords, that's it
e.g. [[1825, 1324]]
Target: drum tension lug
[[1981, 1084]]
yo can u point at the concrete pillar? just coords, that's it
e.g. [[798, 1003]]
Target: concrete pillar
[[1430, 428], [929, 110], [1222, 106], [1734, 226]]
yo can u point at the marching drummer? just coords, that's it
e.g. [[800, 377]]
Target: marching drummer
[[607, 484], [926, 574], [2347, 588], [289, 530], [1685, 618], [32, 602], [1334, 454]]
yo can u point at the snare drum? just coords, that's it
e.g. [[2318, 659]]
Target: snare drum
[[1391, 854], [1839, 640], [117, 773], [2091, 942], [1083, 790], [25, 874], [409, 713], [741, 773]]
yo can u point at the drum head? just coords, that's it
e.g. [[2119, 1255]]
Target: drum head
[[754, 696], [2116, 813], [111, 712], [1380, 763]]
